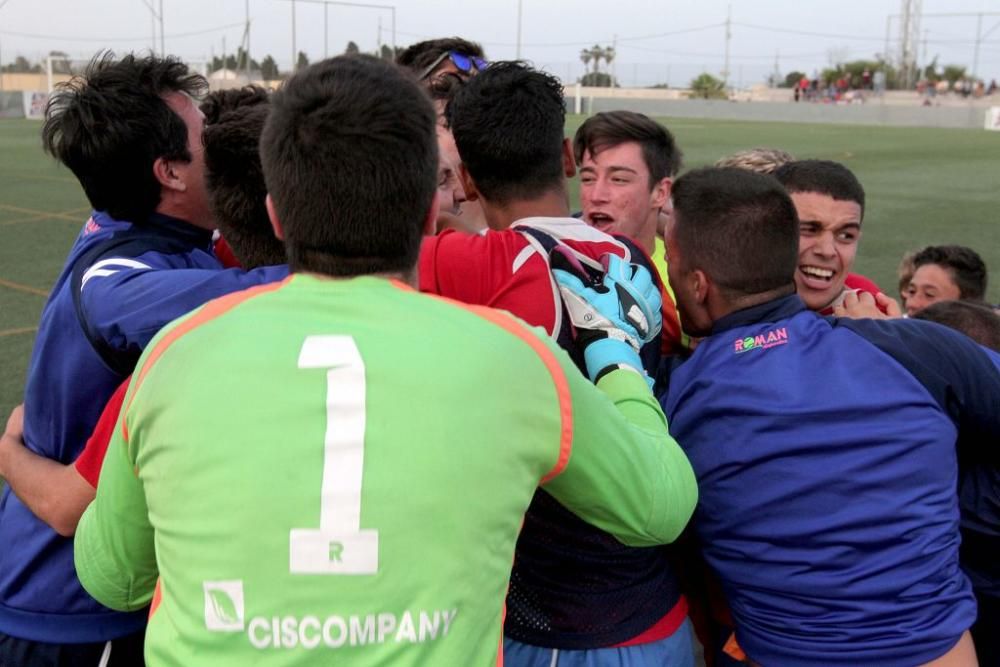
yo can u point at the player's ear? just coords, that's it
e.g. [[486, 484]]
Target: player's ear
[[430, 223], [471, 192], [569, 162], [661, 192], [167, 175], [272, 215]]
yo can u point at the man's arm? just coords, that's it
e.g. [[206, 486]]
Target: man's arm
[[126, 306], [54, 492], [625, 474], [113, 550]]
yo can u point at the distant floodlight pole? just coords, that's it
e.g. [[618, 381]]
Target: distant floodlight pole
[[517, 54], [295, 53], [163, 48], [391, 8]]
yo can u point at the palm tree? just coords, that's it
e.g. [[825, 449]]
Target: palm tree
[[585, 57]]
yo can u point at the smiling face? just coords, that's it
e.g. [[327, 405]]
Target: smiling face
[[829, 230], [930, 283], [616, 194]]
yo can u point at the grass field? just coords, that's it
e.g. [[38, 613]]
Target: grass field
[[924, 187]]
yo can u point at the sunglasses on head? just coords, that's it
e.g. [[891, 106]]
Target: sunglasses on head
[[462, 62]]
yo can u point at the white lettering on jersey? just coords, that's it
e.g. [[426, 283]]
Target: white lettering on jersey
[[310, 632]]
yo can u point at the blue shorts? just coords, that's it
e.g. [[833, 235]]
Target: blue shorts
[[677, 650]]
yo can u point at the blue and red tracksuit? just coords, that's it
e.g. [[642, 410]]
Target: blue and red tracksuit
[[151, 274], [826, 459]]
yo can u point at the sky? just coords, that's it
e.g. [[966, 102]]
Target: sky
[[669, 41]]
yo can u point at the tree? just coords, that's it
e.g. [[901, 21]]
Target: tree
[[352, 49], [386, 53], [953, 73], [792, 79], [269, 68], [585, 57], [597, 80], [21, 65], [302, 62], [707, 87]]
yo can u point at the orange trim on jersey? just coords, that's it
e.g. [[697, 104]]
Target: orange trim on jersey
[[508, 323], [511, 325], [733, 650], [157, 597], [208, 312]]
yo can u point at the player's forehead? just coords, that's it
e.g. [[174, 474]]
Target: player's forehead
[[824, 210], [626, 156]]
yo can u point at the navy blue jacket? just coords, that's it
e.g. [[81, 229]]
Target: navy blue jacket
[[123, 301], [825, 452]]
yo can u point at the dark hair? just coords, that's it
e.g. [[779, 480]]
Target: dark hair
[[824, 177], [234, 178], [739, 227], [219, 102], [110, 125], [350, 160], [964, 265], [976, 320], [508, 125], [608, 129], [421, 55]]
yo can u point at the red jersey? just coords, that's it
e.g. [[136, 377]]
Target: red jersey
[[88, 464], [854, 282], [509, 270]]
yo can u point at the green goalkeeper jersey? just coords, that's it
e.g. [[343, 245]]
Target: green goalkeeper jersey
[[335, 471]]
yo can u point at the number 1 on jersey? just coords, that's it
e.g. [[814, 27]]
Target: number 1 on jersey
[[339, 546]]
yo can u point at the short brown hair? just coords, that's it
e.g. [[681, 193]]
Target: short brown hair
[[613, 128]]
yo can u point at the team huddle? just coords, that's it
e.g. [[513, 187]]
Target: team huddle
[[335, 375]]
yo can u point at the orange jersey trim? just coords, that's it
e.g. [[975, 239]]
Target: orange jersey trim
[[157, 597], [513, 326]]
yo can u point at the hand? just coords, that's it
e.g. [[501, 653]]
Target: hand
[[862, 305], [613, 313], [15, 423]]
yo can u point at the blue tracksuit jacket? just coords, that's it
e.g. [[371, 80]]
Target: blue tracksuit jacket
[[825, 452], [123, 301]]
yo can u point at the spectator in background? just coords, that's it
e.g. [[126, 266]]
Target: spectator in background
[[943, 273]]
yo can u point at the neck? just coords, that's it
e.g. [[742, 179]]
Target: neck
[[553, 204], [726, 305], [406, 277], [647, 237]]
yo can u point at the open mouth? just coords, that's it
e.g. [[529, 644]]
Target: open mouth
[[602, 221], [816, 277]]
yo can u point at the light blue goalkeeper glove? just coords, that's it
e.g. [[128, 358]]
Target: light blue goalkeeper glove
[[613, 313]]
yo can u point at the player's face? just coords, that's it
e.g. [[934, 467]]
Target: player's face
[[615, 192], [829, 230], [450, 189], [694, 318], [193, 172], [930, 283]]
